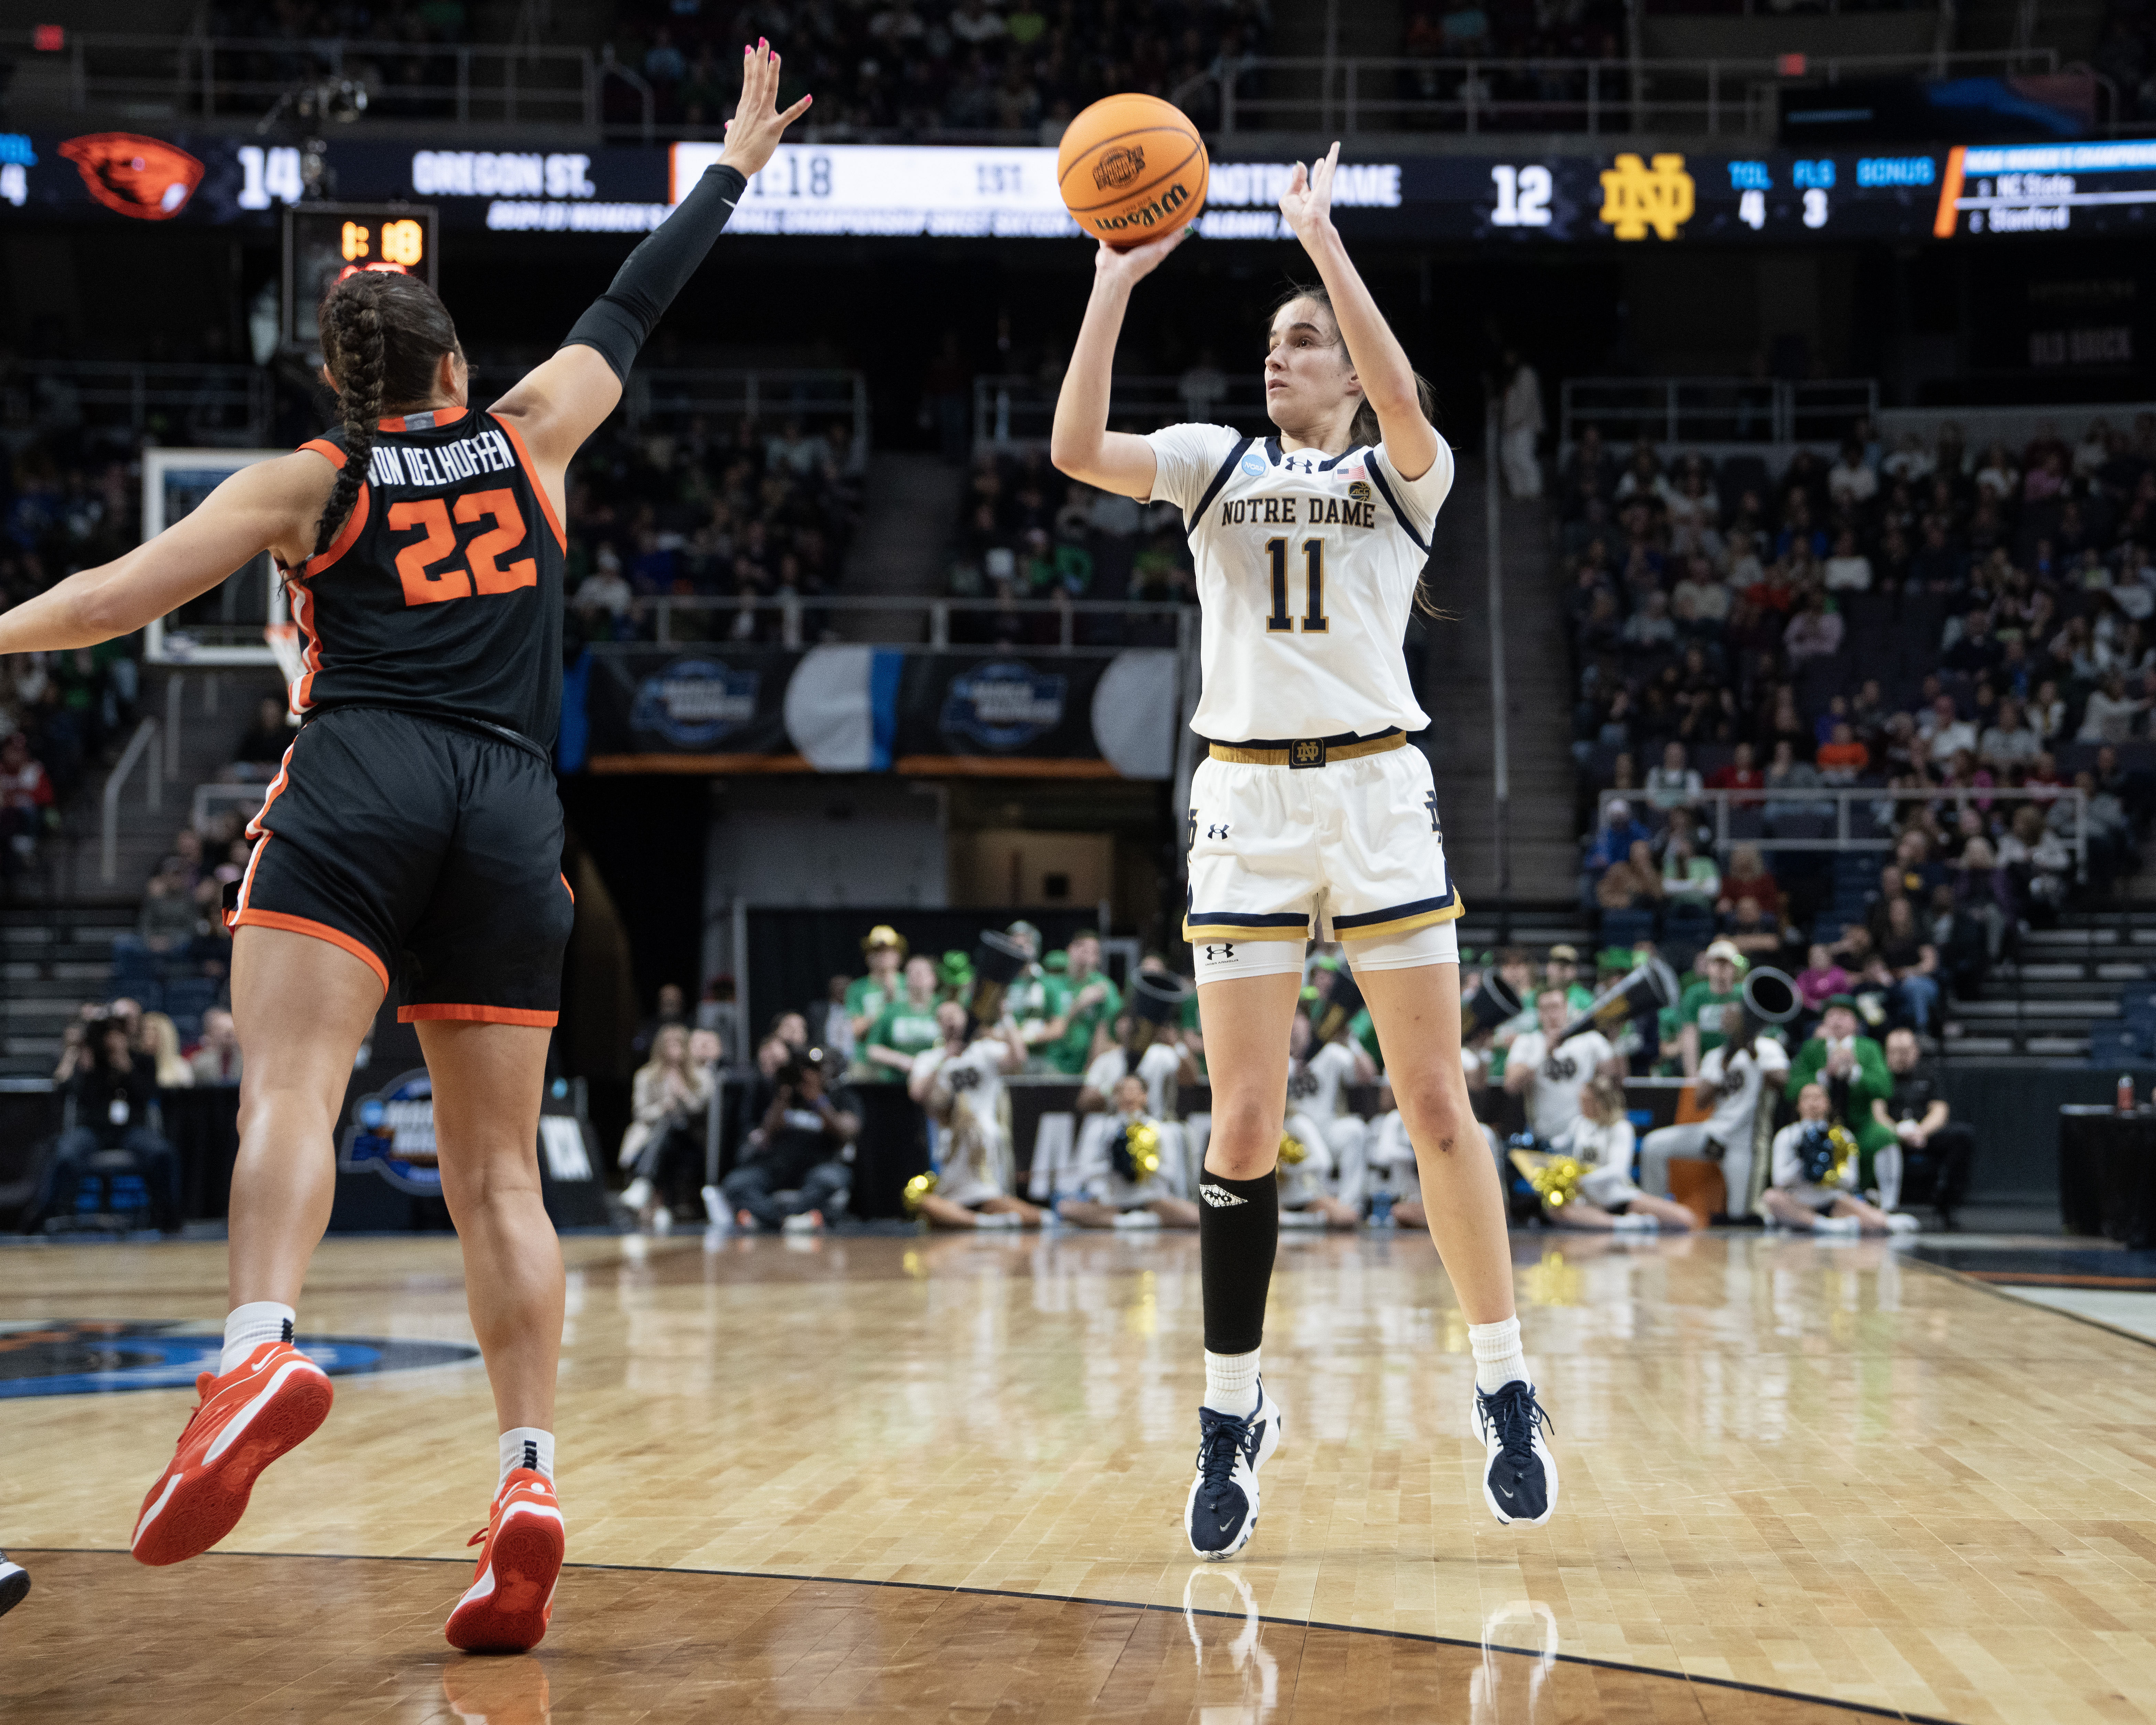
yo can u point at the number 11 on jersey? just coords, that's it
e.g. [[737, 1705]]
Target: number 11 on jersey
[[1313, 616]]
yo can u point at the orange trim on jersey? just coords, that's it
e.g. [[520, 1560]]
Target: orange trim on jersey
[[252, 918], [255, 829], [443, 416], [568, 889], [343, 542], [323, 447], [531, 473], [478, 1015], [303, 616]]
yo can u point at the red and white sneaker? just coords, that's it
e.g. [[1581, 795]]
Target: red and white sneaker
[[244, 1421], [512, 1597]]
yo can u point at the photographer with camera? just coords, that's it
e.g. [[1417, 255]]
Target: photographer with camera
[[798, 1172]]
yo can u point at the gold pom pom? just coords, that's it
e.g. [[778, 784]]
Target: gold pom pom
[[1291, 1149], [916, 1188], [1556, 1179], [1143, 1143], [1845, 1147]]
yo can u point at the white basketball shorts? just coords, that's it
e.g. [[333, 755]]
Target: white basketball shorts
[[1350, 851]]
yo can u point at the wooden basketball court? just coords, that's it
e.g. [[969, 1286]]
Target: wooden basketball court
[[943, 1478]]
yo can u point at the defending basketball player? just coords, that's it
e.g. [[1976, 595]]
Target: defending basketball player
[[1310, 815], [412, 831]]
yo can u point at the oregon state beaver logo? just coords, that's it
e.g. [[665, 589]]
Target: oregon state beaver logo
[[1119, 166], [146, 178]]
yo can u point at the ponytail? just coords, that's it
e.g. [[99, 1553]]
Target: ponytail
[[383, 335]]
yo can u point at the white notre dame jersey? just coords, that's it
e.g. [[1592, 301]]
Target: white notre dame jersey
[[1314, 1086], [1306, 572]]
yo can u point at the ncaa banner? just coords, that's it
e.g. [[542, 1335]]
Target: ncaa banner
[[842, 709]]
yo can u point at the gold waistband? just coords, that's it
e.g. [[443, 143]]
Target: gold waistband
[[1316, 752]]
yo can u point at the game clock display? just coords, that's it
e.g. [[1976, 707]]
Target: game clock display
[[327, 242]]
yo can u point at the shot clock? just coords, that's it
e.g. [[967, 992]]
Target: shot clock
[[327, 242]]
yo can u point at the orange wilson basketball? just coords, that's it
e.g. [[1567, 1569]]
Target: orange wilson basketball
[[1131, 168]]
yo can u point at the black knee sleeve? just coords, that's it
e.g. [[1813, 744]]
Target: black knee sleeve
[[1238, 1234]]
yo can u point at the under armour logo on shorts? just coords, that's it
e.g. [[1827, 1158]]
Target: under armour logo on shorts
[[1219, 1197], [1224, 953], [1218, 832]]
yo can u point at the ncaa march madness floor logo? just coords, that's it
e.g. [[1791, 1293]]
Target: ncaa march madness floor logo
[[68, 1358]]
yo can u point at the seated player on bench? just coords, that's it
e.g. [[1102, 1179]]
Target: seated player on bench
[[1127, 1167], [1815, 1176], [959, 1084], [1606, 1199]]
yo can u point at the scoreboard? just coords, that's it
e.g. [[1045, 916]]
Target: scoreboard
[[1608, 191]]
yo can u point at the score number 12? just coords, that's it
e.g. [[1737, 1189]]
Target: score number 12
[[1523, 197]]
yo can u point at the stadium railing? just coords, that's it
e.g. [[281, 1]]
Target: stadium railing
[[1715, 410], [1848, 817], [1018, 411], [201, 76], [796, 616], [216, 405]]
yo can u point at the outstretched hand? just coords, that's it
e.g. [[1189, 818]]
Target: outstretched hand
[[754, 131], [1307, 204]]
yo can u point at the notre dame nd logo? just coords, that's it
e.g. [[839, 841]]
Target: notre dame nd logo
[[1635, 197]]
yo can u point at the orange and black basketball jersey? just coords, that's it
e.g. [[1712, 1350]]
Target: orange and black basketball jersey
[[441, 594]]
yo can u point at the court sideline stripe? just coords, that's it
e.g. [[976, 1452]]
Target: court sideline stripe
[[1865, 1708], [2000, 1291]]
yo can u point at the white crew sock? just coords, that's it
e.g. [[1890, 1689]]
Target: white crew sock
[[1231, 1383], [247, 1327], [1498, 1360], [527, 1446]]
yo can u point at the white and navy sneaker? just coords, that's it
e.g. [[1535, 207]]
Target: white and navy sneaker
[[14, 1582], [1519, 1481], [1221, 1512]]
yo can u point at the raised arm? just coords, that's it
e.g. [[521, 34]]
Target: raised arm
[[271, 505], [1080, 443], [558, 404], [1381, 363]]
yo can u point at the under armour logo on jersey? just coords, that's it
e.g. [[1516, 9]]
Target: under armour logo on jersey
[[1429, 803], [1224, 953], [1219, 1197], [1218, 832]]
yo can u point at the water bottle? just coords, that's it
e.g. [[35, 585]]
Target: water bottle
[[2125, 1093], [1381, 1209]]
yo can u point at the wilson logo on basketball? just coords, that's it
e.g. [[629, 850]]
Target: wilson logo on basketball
[[146, 178], [1118, 167], [1151, 214]]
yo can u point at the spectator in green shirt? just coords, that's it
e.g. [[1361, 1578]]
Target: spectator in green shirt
[[1561, 970], [907, 1027], [883, 950], [1852, 1069], [1035, 998], [1707, 1011], [1089, 1001]]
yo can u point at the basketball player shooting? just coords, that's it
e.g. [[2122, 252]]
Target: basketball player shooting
[[1310, 815], [413, 830]]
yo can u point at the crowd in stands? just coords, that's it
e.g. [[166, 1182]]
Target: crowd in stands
[[1017, 68], [1025, 533], [747, 515], [1966, 632], [2126, 55]]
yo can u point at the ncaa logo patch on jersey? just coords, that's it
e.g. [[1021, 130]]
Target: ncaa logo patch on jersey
[[1253, 462]]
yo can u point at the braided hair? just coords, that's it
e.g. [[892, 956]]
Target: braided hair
[[383, 335]]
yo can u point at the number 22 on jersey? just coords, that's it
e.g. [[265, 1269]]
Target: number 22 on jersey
[[419, 563], [1313, 616]]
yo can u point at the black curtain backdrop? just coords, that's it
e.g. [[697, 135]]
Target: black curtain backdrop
[[647, 835]]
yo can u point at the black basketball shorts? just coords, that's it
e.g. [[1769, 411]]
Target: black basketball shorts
[[430, 852]]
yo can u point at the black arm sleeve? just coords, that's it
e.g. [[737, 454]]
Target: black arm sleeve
[[622, 318]]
